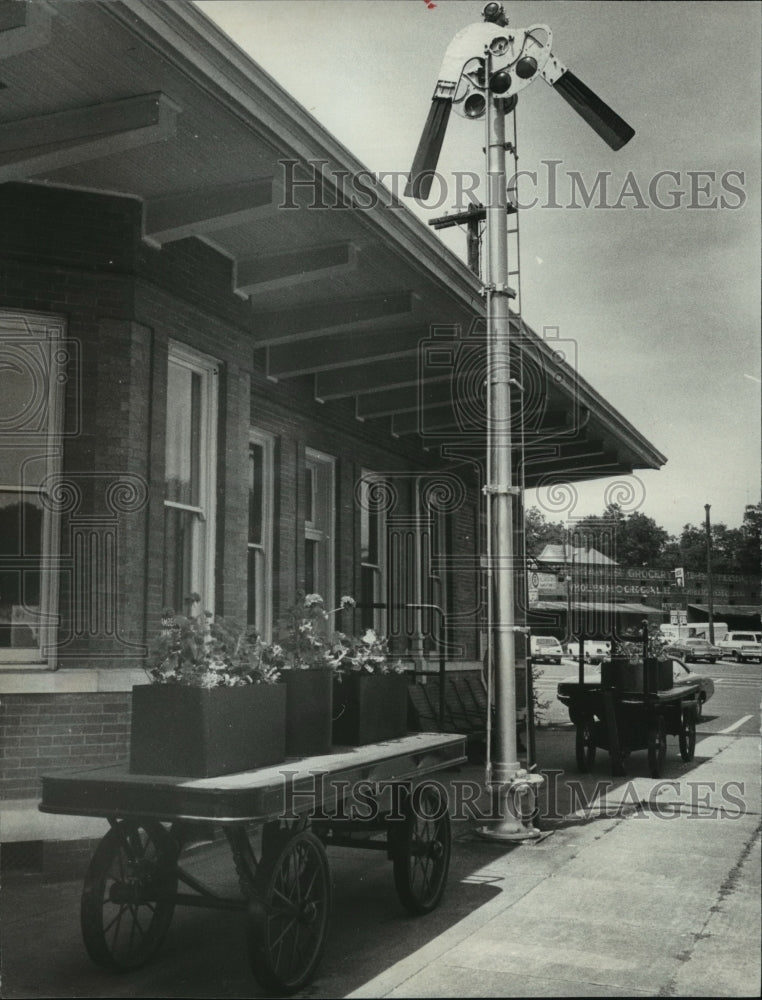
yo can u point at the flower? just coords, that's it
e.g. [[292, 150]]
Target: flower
[[306, 641], [201, 651]]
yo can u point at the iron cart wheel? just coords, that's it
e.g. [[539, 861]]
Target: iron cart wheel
[[288, 916], [421, 845], [657, 745], [128, 896], [687, 736], [585, 746]]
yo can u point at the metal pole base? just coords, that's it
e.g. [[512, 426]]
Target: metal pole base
[[515, 803]]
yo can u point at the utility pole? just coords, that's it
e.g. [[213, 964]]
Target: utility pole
[[709, 583], [473, 216]]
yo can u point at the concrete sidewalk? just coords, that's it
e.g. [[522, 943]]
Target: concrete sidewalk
[[656, 895], [637, 887]]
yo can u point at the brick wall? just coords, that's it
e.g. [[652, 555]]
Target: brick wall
[[42, 732]]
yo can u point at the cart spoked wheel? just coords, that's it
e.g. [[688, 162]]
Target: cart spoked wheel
[[421, 845], [288, 916], [687, 737], [585, 746], [128, 895], [657, 746]]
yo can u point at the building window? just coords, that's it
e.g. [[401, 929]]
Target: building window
[[436, 549], [319, 518], [372, 552], [33, 361], [190, 480], [260, 539]]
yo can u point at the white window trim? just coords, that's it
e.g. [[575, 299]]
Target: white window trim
[[380, 615], [267, 443], [328, 462], [45, 655], [208, 368]]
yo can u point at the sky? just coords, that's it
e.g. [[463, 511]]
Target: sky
[[657, 283]]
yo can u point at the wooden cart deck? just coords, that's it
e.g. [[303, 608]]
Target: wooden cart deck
[[248, 795]]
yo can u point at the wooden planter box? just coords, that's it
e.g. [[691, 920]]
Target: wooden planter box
[[203, 732], [369, 708], [309, 711], [621, 675]]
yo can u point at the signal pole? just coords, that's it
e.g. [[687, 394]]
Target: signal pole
[[513, 789]]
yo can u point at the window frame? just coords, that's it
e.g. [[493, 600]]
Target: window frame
[[43, 656], [267, 443], [380, 616], [208, 368], [438, 583], [323, 490]]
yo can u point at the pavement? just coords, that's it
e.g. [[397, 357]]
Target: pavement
[[636, 887]]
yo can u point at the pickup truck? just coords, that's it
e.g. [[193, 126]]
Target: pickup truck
[[741, 646]]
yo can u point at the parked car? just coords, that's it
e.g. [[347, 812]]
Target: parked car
[[741, 646], [682, 675], [692, 650], [596, 650], [545, 649]]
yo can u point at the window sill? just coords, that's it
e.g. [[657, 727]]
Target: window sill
[[18, 679]]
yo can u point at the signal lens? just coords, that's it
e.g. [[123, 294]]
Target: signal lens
[[500, 82], [474, 105], [526, 67]]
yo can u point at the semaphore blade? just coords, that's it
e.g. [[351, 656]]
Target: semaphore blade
[[610, 127], [427, 154]]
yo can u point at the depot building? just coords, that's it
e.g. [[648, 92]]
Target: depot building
[[206, 392]]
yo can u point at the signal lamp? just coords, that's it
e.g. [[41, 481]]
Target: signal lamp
[[495, 13], [500, 82], [526, 67], [474, 105]]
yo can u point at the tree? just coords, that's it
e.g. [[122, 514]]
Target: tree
[[631, 539], [749, 553], [541, 532], [734, 550], [637, 540]]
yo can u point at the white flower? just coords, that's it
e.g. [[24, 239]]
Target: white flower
[[348, 602], [311, 599], [370, 637]]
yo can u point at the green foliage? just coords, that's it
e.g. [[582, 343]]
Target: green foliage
[[307, 641], [541, 532], [304, 636], [631, 645], [201, 651]]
